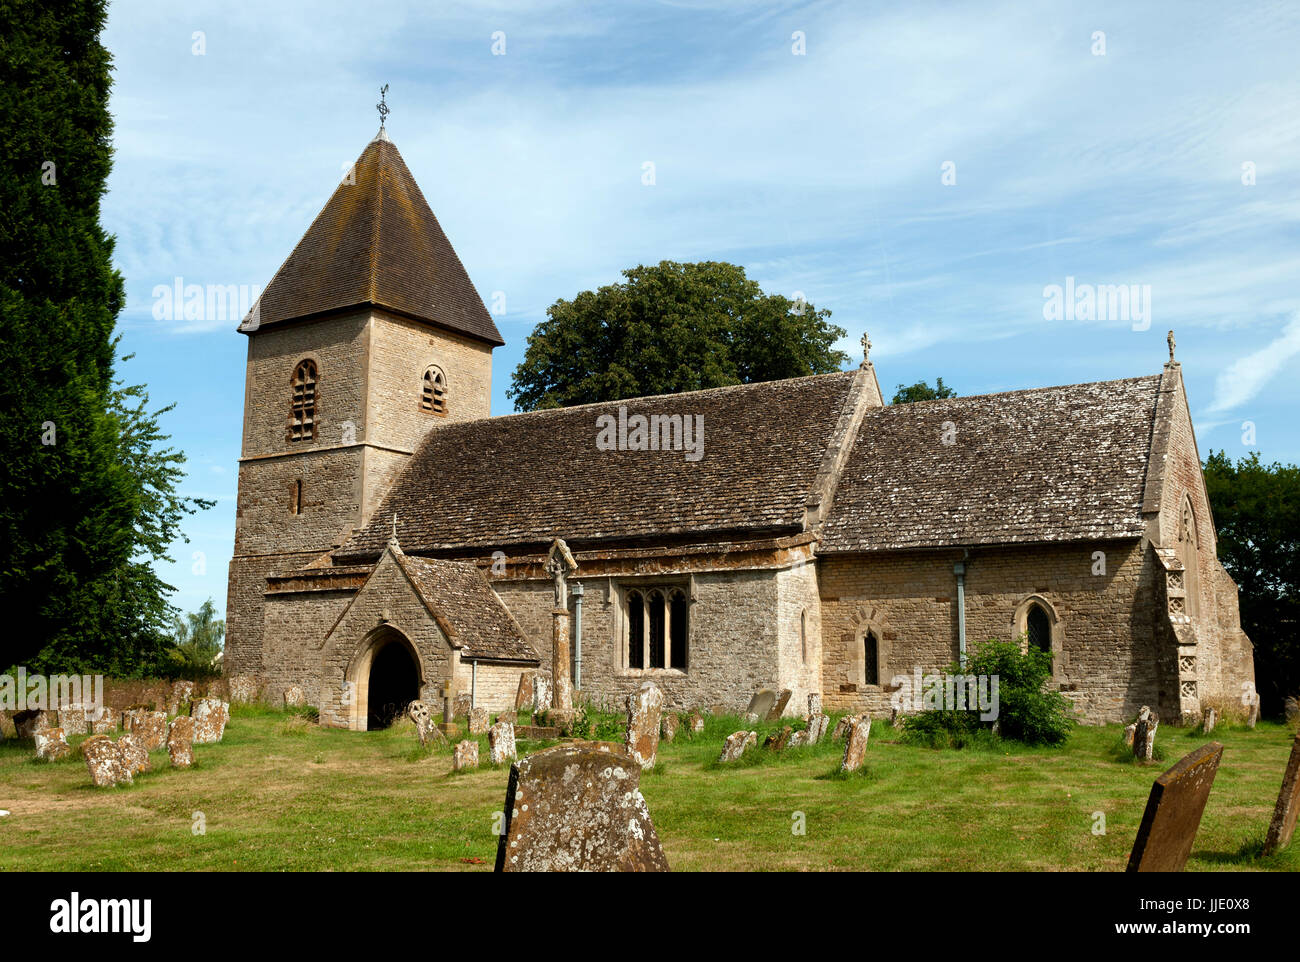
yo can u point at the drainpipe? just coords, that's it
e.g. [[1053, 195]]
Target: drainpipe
[[473, 684], [959, 569], [576, 591]]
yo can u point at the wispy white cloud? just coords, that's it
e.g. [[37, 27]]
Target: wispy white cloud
[[1245, 377]]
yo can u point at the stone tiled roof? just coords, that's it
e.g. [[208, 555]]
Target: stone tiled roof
[[377, 242], [1053, 464], [468, 609], [530, 478]]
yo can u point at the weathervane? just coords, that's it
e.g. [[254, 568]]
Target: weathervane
[[382, 107], [866, 349]]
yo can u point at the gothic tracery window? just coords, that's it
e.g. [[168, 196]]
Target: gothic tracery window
[[1038, 627], [433, 395], [657, 620], [302, 410]]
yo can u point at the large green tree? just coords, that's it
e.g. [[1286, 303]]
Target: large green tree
[[668, 328], [921, 391], [1256, 509], [82, 478]]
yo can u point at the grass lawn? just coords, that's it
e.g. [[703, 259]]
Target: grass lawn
[[276, 795]]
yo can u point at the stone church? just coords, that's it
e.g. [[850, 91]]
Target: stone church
[[392, 537]]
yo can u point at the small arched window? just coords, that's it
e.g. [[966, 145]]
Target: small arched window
[[658, 628], [302, 410], [1038, 626], [803, 635], [635, 630], [677, 628], [433, 395], [870, 659]]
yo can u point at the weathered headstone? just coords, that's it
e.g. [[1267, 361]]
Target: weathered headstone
[[51, 744], [105, 721], [541, 691], [695, 723], [778, 709], [817, 725], [578, 808], [814, 703], [131, 717], [28, 723], [511, 716], [466, 755], [760, 705], [1209, 720], [1282, 827], [134, 753], [1252, 712], [501, 743], [644, 708], [294, 697], [1144, 735], [844, 726], [855, 746], [151, 727], [479, 721], [668, 726], [425, 727], [461, 706], [180, 741], [1130, 732], [736, 744], [210, 717], [778, 740], [217, 688], [798, 739], [244, 689], [1291, 708], [105, 763], [73, 720], [1173, 812], [524, 693], [181, 695]]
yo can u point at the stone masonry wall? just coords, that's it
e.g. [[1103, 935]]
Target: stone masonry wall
[[800, 637]]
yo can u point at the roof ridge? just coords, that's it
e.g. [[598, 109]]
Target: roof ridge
[[1026, 390]]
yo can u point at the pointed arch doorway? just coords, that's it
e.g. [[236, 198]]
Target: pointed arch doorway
[[386, 677]]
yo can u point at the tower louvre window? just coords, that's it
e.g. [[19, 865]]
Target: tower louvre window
[[302, 412], [433, 397]]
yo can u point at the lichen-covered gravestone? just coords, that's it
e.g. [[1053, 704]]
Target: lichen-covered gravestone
[[7, 727], [814, 703], [817, 725], [51, 744], [855, 746], [466, 755], [425, 728], [843, 727], [778, 740], [760, 705], [180, 741], [578, 808], [736, 744], [695, 723], [668, 727], [462, 704], [105, 721], [1209, 720], [181, 695], [778, 709], [1144, 734], [524, 693], [105, 763], [501, 743], [294, 697], [73, 720], [478, 721], [244, 689], [210, 717], [28, 723], [134, 753], [151, 728], [1282, 827], [644, 707], [1173, 812], [542, 691]]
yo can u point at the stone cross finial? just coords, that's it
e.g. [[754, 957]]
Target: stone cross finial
[[393, 539], [866, 348], [383, 107], [1170, 339], [559, 565]]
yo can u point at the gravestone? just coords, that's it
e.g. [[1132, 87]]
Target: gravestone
[[844, 726], [210, 717], [778, 740], [1144, 735], [668, 727], [855, 746], [134, 753], [462, 705], [151, 727], [817, 725], [1282, 827], [1291, 708], [73, 720], [425, 728], [1209, 720], [524, 694], [501, 743], [107, 721], [644, 711], [294, 697], [508, 716], [760, 704], [778, 709], [798, 738], [217, 688], [131, 717], [28, 723], [7, 727], [243, 689], [466, 756], [182, 694], [1252, 712], [105, 763], [578, 808], [1173, 812], [180, 741], [51, 744], [695, 723], [478, 721], [1130, 732], [814, 704], [541, 691], [736, 744]]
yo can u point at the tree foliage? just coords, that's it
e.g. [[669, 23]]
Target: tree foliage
[[921, 391], [670, 328], [1256, 508], [197, 640]]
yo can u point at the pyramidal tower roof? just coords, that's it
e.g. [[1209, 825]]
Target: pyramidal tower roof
[[376, 242]]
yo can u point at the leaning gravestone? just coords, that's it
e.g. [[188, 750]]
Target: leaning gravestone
[[460, 708], [817, 725], [1209, 720], [844, 726], [855, 746], [466, 755], [1130, 731], [778, 740], [73, 720], [1144, 735], [151, 727], [210, 717], [668, 726], [501, 743], [51, 744], [760, 704], [524, 694], [736, 744], [778, 709], [105, 763], [1173, 812], [1282, 827], [425, 728], [578, 808], [644, 708], [479, 721], [180, 741], [134, 753]]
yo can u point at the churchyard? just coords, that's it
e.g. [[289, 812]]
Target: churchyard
[[282, 793]]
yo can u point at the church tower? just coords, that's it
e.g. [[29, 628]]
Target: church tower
[[369, 336]]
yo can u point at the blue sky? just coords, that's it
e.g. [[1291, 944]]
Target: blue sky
[[820, 172]]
